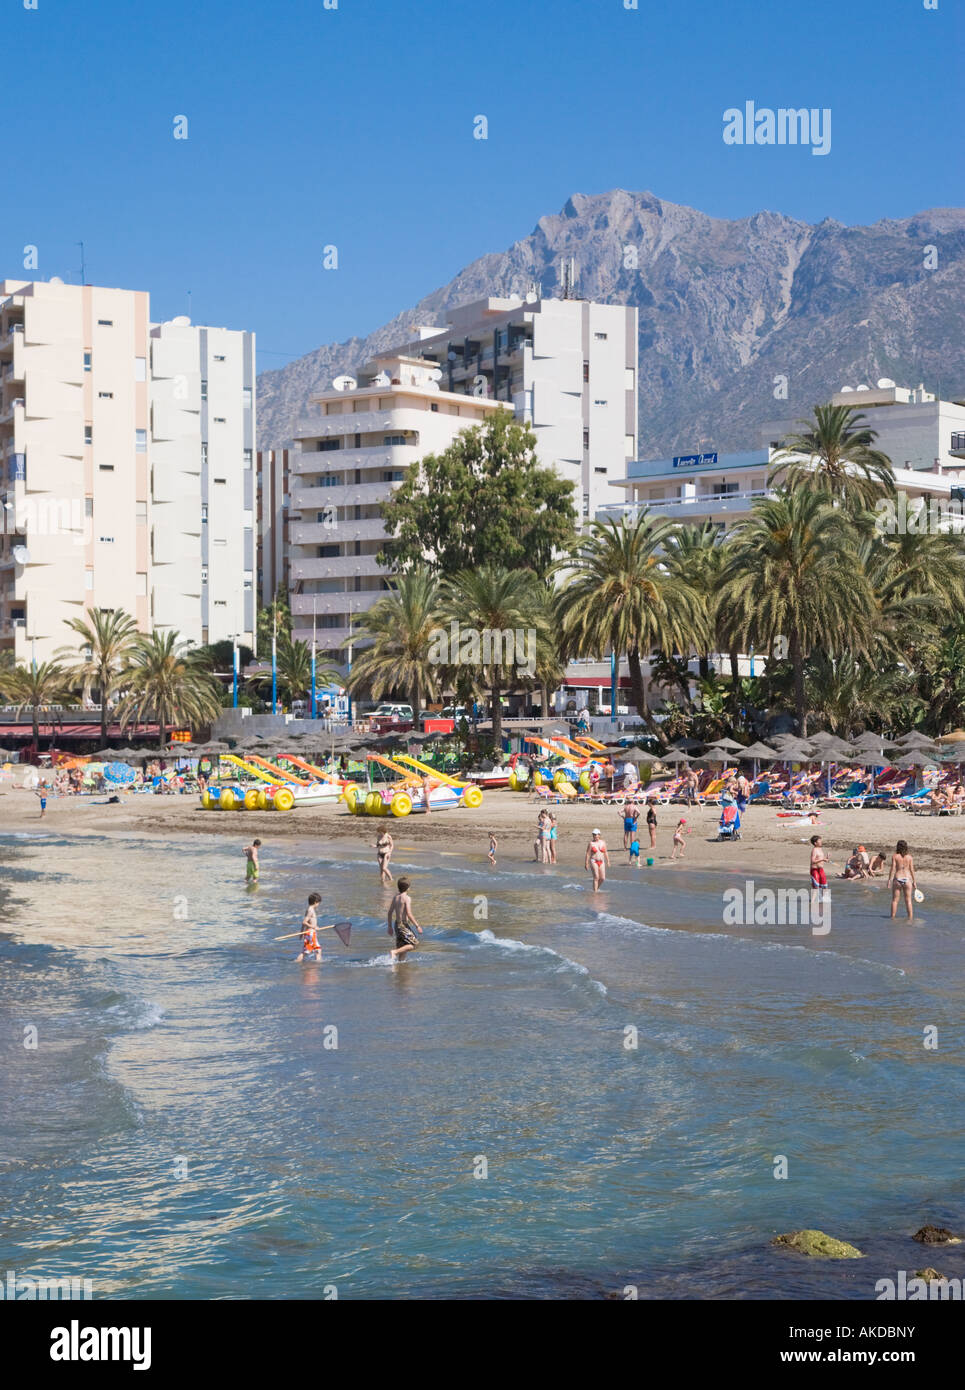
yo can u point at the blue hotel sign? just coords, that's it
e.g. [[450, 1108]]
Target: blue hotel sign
[[693, 460]]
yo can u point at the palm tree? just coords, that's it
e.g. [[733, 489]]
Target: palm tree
[[293, 670], [107, 640], [834, 455], [695, 555], [623, 594], [794, 583], [29, 687], [400, 627], [845, 691], [492, 602], [169, 681]]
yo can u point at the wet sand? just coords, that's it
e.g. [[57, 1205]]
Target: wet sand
[[768, 847]]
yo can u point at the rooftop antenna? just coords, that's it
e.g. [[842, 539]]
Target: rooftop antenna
[[83, 264], [568, 277]]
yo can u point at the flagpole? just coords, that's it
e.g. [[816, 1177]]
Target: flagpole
[[234, 681], [314, 697], [274, 662]]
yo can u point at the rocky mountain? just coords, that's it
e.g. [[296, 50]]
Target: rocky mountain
[[728, 311]]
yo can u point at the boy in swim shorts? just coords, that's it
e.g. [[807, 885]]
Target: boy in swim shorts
[[310, 943], [251, 868], [492, 849], [634, 859], [819, 879], [401, 921]]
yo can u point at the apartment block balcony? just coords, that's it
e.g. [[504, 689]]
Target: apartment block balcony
[[957, 449], [303, 605], [334, 567], [9, 412], [394, 456], [6, 341], [325, 533], [346, 494], [685, 508], [359, 422]]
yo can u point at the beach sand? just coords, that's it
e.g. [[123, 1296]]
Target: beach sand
[[769, 847]]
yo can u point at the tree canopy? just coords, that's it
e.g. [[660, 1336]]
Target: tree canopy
[[485, 500]]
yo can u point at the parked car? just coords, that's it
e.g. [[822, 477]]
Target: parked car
[[392, 717]]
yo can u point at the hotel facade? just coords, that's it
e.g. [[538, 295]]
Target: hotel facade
[[127, 450]]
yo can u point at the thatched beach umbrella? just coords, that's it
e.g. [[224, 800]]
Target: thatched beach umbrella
[[638, 757], [872, 743], [956, 736], [675, 757], [916, 759], [914, 739]]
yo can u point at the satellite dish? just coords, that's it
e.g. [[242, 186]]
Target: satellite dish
[[182, 321], [381, 380], [845, 388], [864, 386], [345, 383], [21, 554], [885, 383], [436, 374], [56, 280]]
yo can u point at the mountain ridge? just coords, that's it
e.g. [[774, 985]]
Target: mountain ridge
[[728, 309]]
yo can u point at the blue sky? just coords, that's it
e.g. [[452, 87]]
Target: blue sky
[[354, 127]]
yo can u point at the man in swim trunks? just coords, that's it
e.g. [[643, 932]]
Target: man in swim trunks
[[597, 859], [630, 817], [819, 879], [401, 921], [310, 943], [251, 868]]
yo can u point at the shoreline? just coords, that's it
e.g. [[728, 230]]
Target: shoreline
[[769, 848]]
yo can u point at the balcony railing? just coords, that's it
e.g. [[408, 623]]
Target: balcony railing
[[704, 501], [958, 443]]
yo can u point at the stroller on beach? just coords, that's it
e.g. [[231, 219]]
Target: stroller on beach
[[729, 826]]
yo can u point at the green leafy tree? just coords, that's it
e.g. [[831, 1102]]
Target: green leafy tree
[[485, 500], [274, 617], [795, 584], [398, 629], [170, 681], [27, 688], [107, 641], [621, 594], [834, 455]]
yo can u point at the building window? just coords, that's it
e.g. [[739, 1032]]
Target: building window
[[204, 389], [221, 603], [392, 475], [220, 541], [599, 470], [325, 446], [393, 439], [105, 395], [246, 397], [204, 513], [105, 323], [140, 441], [204, 452], [140, 369], [87, 360], [327, 552], [204, 574], [218, 359], [106, 540], [600, 337], [599, 402], [586, 439], [330, 620], [88, 434], [222, 481], [247, 458], [433, 405], [586, 371], [88, 506], [106, 467], [330, 480], [219, 419]]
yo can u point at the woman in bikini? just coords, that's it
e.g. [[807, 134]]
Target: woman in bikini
[[597, 859], [384, 846], [901, 880]]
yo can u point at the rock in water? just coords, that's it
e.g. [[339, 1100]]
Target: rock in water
[[935, 1235], [928, 1274], [818, 1244]]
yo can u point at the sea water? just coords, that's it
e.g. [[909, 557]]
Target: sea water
[[560, 1094]]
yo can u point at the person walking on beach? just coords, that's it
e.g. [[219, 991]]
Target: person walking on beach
[[384, 846], [678, 838], [652, 824], [630, 817], [542, 836], [597, 859], [551, 842], [492, 849], [251, 868], [427, 785], [401, 921], [310, 944], [819, 878], [902, 880], [41, 793]]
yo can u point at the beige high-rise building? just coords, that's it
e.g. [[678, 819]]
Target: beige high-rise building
[[123, 487]]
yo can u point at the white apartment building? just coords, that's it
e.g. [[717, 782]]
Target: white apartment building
[[354, 450], [924, 437], [105, 488], [567, 367], [273, 521]]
